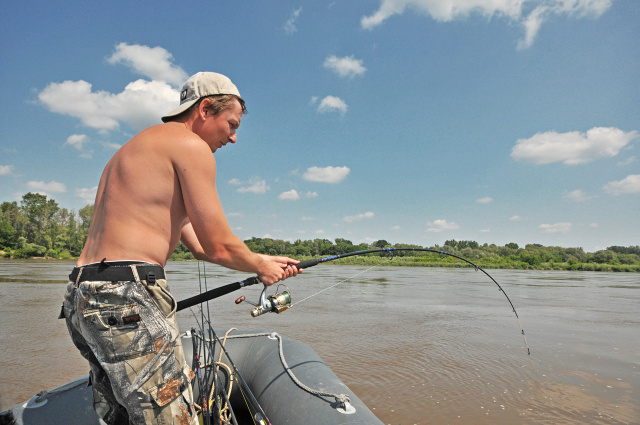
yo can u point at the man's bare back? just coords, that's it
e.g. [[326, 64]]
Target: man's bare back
[[139, 210], [159, 188]]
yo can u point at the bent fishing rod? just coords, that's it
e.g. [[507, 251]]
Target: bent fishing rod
[[281, 302]]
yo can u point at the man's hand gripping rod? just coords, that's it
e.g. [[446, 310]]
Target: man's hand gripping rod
[[274, 303]]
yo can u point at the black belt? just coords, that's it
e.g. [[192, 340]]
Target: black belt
[[117, 273]]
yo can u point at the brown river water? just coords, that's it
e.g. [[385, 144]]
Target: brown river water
[[417, 345]]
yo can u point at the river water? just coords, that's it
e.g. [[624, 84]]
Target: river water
[[417, 345]]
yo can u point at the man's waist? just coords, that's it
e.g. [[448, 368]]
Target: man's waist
[[117, 271]]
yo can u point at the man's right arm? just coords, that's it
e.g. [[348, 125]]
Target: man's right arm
[[212, 239]]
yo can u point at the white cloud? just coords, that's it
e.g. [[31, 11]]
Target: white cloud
[[111, 145], [291, 195], [486, 200], [290, 25], [152, 62], [77, 141], [627, 161], [326, 174], [628, 185], [87, 195], [441, 225], [532, 24], [577, 196], [256, 186], [347, 66], [573, 147], [531, 14], [555, 228], [141, 104], [6, 170], [51, 187], [311, 195], [331, 104], [358, 217], [515, 218]]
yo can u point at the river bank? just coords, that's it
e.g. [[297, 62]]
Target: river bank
[[434, 261]]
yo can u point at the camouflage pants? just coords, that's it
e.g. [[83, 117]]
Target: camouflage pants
[[128, 332]]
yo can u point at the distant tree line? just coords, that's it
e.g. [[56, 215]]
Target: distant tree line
[[531, 256], [38, 227]]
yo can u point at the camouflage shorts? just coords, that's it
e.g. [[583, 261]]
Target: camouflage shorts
[[127, 330]]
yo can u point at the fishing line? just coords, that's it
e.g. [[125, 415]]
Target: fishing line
[[252, 404], [332, 286], [389, 252]]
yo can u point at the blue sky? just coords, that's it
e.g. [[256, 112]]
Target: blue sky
[[413, 121]]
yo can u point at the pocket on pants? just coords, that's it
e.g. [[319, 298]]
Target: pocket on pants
[[118, 332], [167, 391], [161, 296]]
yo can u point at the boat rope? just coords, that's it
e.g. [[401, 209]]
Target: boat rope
[[342, 399]]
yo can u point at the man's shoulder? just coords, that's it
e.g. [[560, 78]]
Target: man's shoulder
[[170, 138]]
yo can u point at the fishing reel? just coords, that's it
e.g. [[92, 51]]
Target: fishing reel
[[269, 304]]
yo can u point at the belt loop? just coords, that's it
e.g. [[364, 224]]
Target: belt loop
[[134, 269], [78, 277]]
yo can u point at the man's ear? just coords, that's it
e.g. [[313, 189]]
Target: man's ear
[[203, 108]]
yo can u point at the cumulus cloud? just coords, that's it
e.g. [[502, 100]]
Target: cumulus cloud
[[87, 195], [441, 225], [347, 66], [50, 187], [326, 174], [577, 196], [6, 170], [291, 195], [628, 185], [294, 195], [515, 218], [255, 186], [573, 147], [332, 104], [290, 25], [358, 217], [486, 200], [530, 14], [77, 141], [140, 104], [555, 228], [155, 63]]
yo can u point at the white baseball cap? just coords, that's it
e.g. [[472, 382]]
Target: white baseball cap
[[200, 85]]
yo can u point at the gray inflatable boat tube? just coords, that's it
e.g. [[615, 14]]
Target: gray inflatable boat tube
[[259, 363]]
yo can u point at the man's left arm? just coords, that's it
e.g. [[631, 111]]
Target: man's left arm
[[190, 240]]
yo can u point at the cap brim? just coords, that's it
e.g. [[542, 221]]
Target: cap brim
[[180, 109]]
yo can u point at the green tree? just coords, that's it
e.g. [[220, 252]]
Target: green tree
[[8, 235]]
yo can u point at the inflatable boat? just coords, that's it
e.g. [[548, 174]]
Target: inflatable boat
[[288, 382]]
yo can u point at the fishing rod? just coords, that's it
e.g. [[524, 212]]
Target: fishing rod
[[281, 302]]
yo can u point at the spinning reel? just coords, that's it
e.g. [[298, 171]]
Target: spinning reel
[[269, 304]]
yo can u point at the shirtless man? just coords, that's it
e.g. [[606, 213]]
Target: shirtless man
[[158, 189]]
